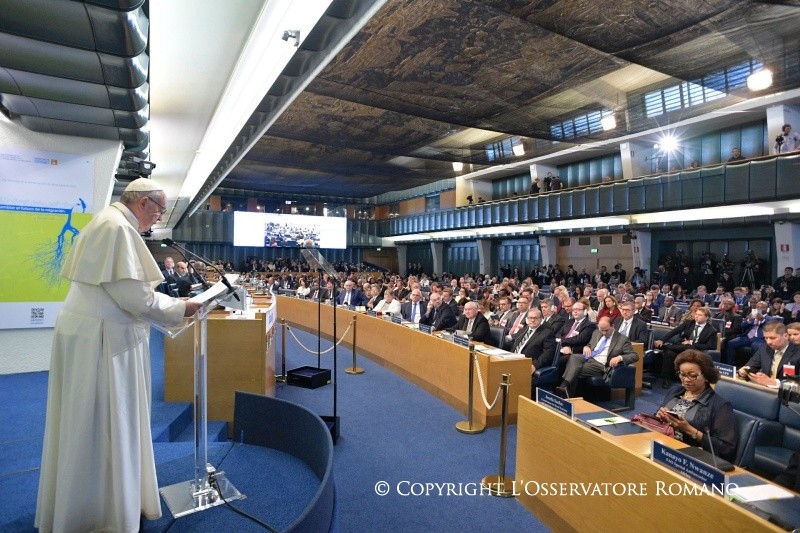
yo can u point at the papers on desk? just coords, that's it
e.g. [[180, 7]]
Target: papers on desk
[[757, 493], [498, 352], [607, 421]]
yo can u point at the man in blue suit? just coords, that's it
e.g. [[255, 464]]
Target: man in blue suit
[[752, 331], [766, 365], [351, 296]]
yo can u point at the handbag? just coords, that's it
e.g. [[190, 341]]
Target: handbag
[[653, 424]]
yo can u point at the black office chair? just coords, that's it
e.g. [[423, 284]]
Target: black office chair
[[497, 336], [550, 376]]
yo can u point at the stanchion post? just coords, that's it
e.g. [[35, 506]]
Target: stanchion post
[[282, 377], [500, 485], [469, 426], [353, 369]]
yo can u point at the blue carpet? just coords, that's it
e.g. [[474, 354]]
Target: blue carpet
[[393, 431]]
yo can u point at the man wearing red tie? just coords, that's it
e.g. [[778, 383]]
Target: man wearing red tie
[[516, 322]]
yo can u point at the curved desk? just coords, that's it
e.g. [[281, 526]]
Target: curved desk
[[438, 366], [553, 449]]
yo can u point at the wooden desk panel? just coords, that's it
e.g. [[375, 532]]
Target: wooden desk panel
[[554, 449], [438, 366], [241, 357]]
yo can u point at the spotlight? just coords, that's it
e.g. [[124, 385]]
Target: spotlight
[[758, 81], [608, 122], [518, 149], [669, 143], [292, 34], [458, 166]]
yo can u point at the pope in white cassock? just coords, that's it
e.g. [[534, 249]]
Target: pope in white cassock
[[98, 471]]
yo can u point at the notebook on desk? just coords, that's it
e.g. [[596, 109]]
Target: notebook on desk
[[701, 455]]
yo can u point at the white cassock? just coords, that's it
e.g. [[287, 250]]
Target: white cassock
[[98, 471]]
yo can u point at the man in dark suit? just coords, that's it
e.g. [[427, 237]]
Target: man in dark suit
[[630, 325], [550, 318], [515, 323], [766, 365], [640, 310], [474, 323], [504, 312], [537, 342], [606, 349], [576, 332], [169, 270], [698, 334], [351, 296], [317, 293], [669, 312], [447, 299], [438, 315], [751, 331], [414, 308]]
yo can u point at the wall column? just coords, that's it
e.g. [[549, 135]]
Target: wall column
[[641, 249], [402, 259], [485, 265], [777, 116], [437, 252], [787, 235], [547, 249], [634, 159]]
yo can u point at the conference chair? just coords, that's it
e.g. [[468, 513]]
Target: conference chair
[[497, 336], [549, 377]]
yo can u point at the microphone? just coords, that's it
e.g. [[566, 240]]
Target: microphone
[[711, 445], [231, 290]]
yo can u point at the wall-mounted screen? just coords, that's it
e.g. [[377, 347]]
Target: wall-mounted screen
[[273, 230]]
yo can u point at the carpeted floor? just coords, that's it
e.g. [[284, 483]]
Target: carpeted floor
[[392, 432]]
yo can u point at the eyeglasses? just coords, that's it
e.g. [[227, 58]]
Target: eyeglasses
[[691, 375], [162, 209]]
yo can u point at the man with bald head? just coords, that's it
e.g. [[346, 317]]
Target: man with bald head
[[473, 323], [606, 350], [438, 314]]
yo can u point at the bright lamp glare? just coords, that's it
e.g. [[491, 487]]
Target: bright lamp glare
[[608, 123], [758, 81], [458, 166], [518, 150], [669, 143]]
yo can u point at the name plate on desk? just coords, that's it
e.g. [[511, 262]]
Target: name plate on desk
[[556, 403], [424, 328], [461, 341], [696, 470], [351, 307], [371, 313], [729, 371], [397, 319]]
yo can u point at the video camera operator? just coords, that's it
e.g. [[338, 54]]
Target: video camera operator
[[787, 141]]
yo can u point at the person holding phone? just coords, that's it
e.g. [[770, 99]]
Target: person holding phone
[[766, 365], [700, 416]]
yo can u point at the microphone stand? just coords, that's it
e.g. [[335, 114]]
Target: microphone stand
[[183, 251]]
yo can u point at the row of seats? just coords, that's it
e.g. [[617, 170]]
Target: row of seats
[[769, 431], [754, 181]]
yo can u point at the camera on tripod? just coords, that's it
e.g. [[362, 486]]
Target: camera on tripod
[[779, 140]]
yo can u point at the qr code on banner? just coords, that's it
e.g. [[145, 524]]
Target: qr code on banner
[[37, 315]]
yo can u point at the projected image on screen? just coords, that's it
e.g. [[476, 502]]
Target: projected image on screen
[[272, 230]]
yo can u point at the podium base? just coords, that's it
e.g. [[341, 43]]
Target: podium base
[[185, 498], [499, 486], [354, 370], [470, 428]]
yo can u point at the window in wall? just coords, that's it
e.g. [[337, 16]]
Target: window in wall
[[706, 89], [580, 125], [501, 149], [432, 202], [563, 241], [584, 241], [606, 239]]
